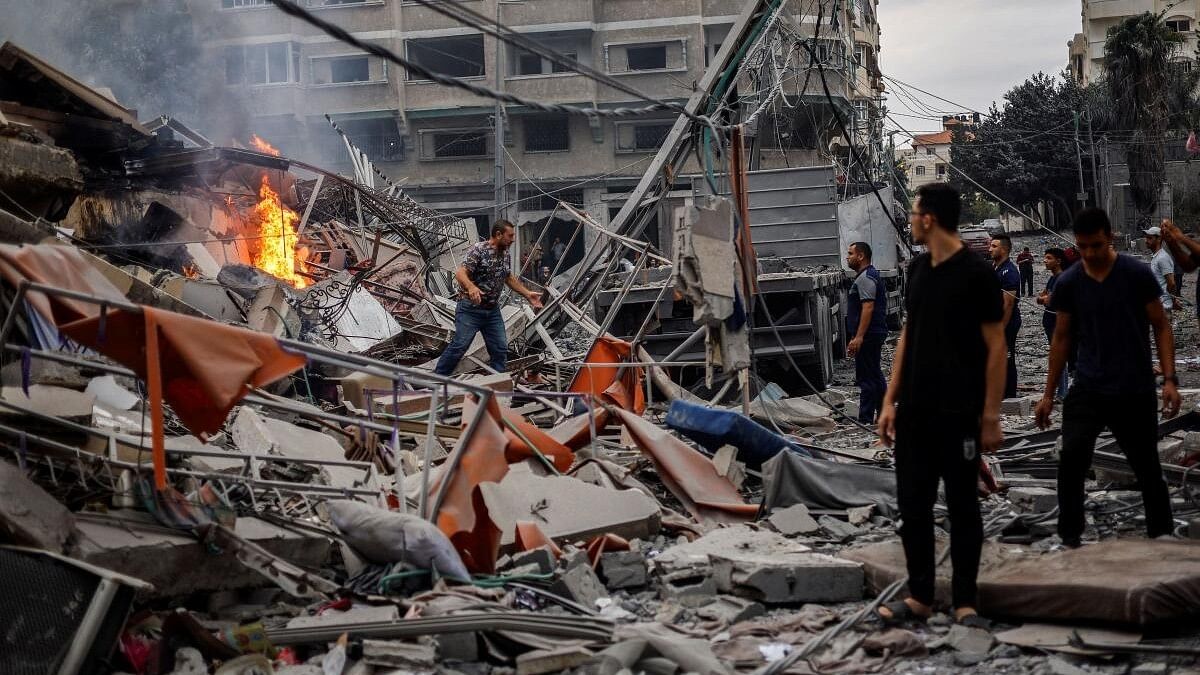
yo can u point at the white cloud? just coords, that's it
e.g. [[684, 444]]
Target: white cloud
[[972, 51]]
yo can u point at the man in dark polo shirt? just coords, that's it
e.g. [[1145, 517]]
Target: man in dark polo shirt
[[1106, 308], [866, 322], [485, 270], [1010, 284], [942, 408]]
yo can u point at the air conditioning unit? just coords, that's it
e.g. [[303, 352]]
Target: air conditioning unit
[[60, 616]]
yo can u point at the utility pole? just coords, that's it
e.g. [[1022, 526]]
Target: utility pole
[[498, 114], [1082, 195], [1092, 153]]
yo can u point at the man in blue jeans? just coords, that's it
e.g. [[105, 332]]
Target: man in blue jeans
[[485, 270], [866, 322]]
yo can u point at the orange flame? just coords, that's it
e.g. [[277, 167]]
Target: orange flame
[[277, 228], [262, 145]]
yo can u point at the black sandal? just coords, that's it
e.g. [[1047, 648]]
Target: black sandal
[[902, 613]]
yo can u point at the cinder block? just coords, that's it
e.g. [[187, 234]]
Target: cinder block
[[1033, 499], [580, 584], [623, 569]]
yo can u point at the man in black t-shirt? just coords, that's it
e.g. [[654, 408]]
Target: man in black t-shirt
[[942, 409], [1105, 308]]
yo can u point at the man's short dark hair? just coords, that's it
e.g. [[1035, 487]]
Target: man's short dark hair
[[1058, 253], [1004, 240], [863, 247], [943, 202], [501, 226], [1091, 221], [1026, 248]]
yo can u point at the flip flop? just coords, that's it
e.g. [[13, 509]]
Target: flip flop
[[901, 613]]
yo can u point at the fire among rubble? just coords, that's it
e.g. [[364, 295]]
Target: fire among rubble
[[276, 225], [263, 146]]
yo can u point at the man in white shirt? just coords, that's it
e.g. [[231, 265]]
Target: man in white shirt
[[1162, 265]]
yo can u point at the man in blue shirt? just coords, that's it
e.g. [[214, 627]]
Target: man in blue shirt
[[866, 321], [1010, 285], [1055, 261], [1106, 308]]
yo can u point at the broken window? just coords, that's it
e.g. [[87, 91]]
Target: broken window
[[524, 62], [458, 56], [643, 57], [647, 58], [350, 69], [547, 134], [642, 136], [456, 143], [261, 64], [529, 63], [941, 170]]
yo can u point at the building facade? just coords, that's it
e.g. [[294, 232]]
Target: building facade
[[927, 160], [441, 141], [1086, 49]]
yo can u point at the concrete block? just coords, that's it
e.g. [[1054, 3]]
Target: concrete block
[[580, 584], [688, 588], [730, 609], [75, 406], [573, 557], [30, 516], [541, 557], [727, 466], [623, 569], [1033, 499], [540, 661], [838, 529], [458, 646], [970, 640], [253, 433], [1022, 406], [767, 567], [1172, 450], [861, 514], [41, 371], [1155, 668], [793, 520], [398, 654], [567, 507]]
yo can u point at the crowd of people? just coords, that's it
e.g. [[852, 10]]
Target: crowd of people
[[955, 361]]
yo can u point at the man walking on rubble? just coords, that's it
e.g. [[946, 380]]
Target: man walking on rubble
[[1025, 265], [1162, 265], [485, 270], [942, 408], [866, 320], [1054, 260], [1010, 284], [1186, 252], [1105, 308]]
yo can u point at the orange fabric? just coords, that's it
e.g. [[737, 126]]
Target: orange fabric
[[63, 267], [602, 383], [604, 544], [517, 450], [529, 536], [689, 475], [206, 366], [463, 517]]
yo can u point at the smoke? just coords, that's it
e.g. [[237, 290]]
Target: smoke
[[146, 51]]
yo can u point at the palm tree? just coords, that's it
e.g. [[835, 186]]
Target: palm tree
[[1137, 59]]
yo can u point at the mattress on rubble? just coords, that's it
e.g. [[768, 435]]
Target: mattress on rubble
[[1128, 581]]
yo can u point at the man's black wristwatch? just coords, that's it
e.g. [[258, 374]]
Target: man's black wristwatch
[[1173, 379]]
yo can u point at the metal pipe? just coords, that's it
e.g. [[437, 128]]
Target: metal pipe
[[428, 462], [89, 627]]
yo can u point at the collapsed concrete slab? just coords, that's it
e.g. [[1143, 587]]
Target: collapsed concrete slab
[[132, 543], [30, 516], [259, 435], [1092, 583], [71, 405], [767, 567], [565, 508]]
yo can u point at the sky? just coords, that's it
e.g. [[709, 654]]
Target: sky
[[970, 51]]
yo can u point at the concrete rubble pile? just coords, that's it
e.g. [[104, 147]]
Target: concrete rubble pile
[[216, 465]]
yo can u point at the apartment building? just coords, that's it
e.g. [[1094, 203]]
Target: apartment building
[[928, 159], [1086, 49], [441, 141]]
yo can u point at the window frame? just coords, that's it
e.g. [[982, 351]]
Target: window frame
[[680, 42], [564, 119], [412, 78], [668, 123], [291, 58], [488, 142]]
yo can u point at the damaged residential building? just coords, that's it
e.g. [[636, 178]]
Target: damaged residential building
[[444, 140]]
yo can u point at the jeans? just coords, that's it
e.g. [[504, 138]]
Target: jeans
[[932, 446], [1062, 381], [1010, 338], [1133, 420], [470, 319], [868, 375]]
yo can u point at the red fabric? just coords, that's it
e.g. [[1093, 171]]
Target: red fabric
[[1193, 147], [517, 450], [602, 382]]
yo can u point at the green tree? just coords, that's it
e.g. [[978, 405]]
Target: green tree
[[1023, 150], [1137, 62]]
